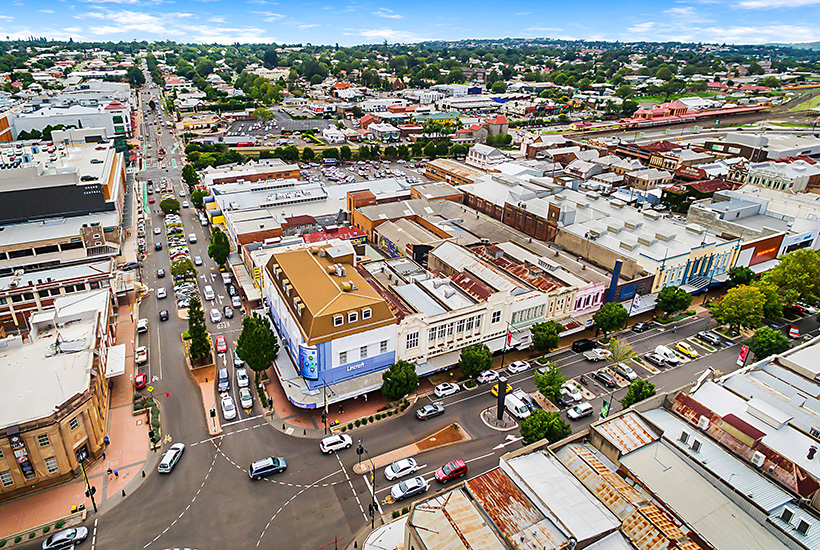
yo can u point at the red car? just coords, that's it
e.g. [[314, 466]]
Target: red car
[[451, 470], [140, 381], [794, 332], [152, 200], [221, 345]]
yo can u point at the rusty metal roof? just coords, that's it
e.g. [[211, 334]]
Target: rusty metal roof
[[627, 432], [532, 274], [451, 521]]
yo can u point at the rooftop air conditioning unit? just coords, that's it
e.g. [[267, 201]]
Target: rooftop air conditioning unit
[[758, 459], [703, 422]]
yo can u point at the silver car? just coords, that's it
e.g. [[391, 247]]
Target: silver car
[[170, 458], [66, 538]]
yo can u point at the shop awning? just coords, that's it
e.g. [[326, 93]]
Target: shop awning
[[765, 266], [115, 361]]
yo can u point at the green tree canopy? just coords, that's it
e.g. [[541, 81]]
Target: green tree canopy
[[550, 381], [773, 299], [622, 351], [169, 205], [399, 380], [638, 390], [797, 275], [545, 336], [544, 425], [183, 268], [740, 276], [307, 154], [257, 344], [768, 341], [741, 307], [672, 299], [474, 359], [611, 316], [219, 248], [198, 198], [199, 345], [189, 175]]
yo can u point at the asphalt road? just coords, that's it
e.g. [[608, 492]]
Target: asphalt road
[[209, 502]]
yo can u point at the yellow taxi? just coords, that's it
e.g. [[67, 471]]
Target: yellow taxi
[[686, 349]]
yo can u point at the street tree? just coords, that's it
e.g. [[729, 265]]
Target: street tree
[[307, 154], [773, 299], [768, 341], [621, 350], [638, 390], [189, 175], [257, 344], [152, 105], [474, 359], [219, 248], [741, 307], [198, 198], [169, 206], [797, 275], [183, 268], [545, 336], [199, 345], [399, 380], [550, 381], [740, 276], [544, 425], [345, 154], [611, 316], [672, 299], [430, 150], [624, 91]]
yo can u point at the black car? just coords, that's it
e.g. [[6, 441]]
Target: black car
[[605, 378], [709, 337], [655, 359], [565, 400], [429, 411], [231, 290], [129, 266], [641, 327], [163, 315], [157, 245], [582, 345]]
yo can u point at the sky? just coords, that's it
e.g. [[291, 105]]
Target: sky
[[351, 22]]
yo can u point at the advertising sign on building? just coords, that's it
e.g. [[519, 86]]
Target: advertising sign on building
[[308, 367]]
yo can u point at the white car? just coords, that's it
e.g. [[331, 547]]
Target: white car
[[445, 389], [626, 372], [245, 398], [216, 315], [580, 411], [161, 293], [242, 378], [572, 391], [197, 260], [400, 468], [141, 355], [488, 376], [157, 231], [335, 443], [236, 302], [517, 366], [409, 488], [228, 408], [142, 325]]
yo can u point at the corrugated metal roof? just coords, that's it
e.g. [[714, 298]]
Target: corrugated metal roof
[[627, 432], [811, 538], [451, 522], [729, 469]]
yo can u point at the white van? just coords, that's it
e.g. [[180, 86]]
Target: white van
[[192, 238], [668, 355], [516, 407], [226, 279], [209, 293]]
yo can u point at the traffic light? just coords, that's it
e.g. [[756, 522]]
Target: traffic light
[[93, 491]]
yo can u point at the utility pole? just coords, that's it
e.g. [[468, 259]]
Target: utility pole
[[324, 407], [372, 507]]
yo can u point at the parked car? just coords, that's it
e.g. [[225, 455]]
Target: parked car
[[197, 260], [517, 366], [245, 398], [429, 411], [709, 337], [494, 390], [582, 345], [158, 245], [228, 408], [487, 377], [142, 325], [227, 311], [451, 470], [237, 361], [67, 538], [141, 355], [221, 344], [267, 466], [794, 332], [565, 398], [160, 273], [641, 327], [157, 230], [216, 316], [170, 458], [573, 391], [242, 379], [408, 488], [140, 381], [236, 302], [400, 468], [580, 411], [597, 354], [625, 371], [655, 359], [445, 389], [687, 349], [335, 443], [605, 378]]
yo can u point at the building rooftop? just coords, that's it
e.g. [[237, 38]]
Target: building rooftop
[[460, 259], [436, 190], [40, 375], [453, 521]]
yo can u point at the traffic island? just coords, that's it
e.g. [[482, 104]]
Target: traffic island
[[490, 419], [450, 435]]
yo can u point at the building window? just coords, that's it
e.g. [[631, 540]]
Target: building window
[[42, 440], [367, 313], [431, 334], [51, 465], [74, 423], [450, 328], [383, 346], [412, 340], [6, 479], [460, 325], [352, 317], [496, 317], [342, 357], [363, 352], [338, 320], [442, 329], [469, 325]]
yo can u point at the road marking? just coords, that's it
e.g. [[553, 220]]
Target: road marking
[[243, 420], [94, 534], [489, 454], [351, 486]]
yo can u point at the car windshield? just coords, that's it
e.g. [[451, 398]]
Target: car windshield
[[447, 468]]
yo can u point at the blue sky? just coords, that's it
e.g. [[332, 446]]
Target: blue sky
[[349, 22]]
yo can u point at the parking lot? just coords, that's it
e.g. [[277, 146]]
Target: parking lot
[[316, 172], [266, 132]]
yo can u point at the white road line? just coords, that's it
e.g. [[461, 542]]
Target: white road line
[[351, 486], [242, 420], [94, 535], [479, 457]]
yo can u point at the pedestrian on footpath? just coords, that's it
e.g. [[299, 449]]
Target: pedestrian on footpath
[[106, 440], [116, 473], [103, 454], [365, 398], [109, 471]]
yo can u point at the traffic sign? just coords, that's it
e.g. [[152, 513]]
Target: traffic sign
[[150, 389]]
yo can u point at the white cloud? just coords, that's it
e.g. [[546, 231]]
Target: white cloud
[[774, 4], [641, 28], [90, 15], [6, 18], [263, 3], [216, 19], [762, 34], [388, 14], [46, 11], [180, 15], [687, 14], [226, 35], [269, 16], [521, 13], [391, 35], [306, 27]]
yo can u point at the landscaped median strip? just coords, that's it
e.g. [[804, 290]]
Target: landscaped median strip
[[453, 433]]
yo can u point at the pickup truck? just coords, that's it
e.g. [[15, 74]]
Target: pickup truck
[[597, 354]]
